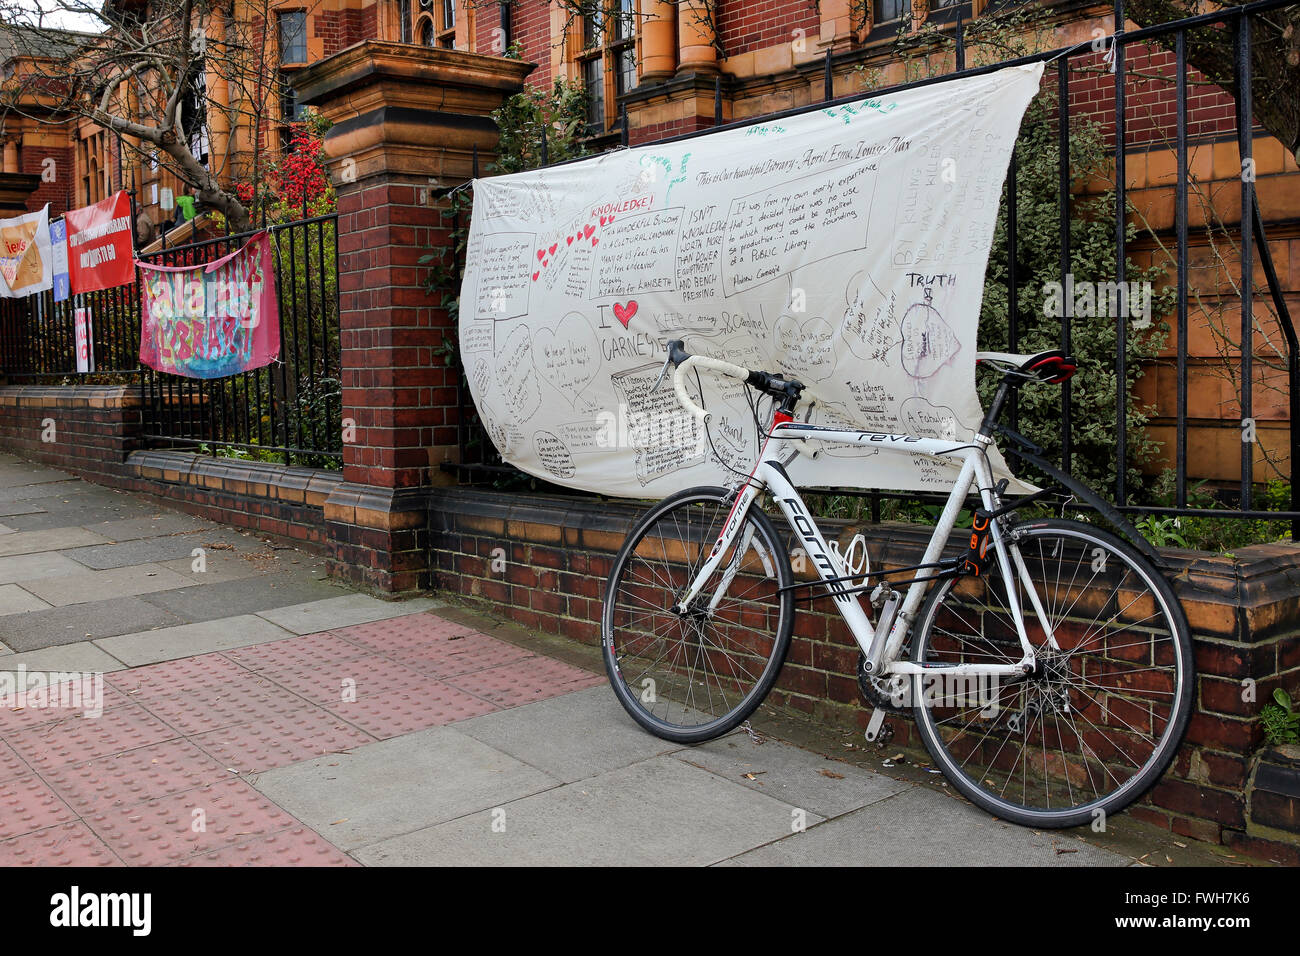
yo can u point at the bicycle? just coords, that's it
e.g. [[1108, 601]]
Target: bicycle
[[1046, 662]]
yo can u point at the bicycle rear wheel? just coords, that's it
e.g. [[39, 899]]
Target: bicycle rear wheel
[[694, 676], [1102, 715]]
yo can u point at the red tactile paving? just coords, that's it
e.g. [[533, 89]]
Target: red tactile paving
[[432, 704], [11, 765], [123, 780], [77, 739], [535, 678], [73, 844], [297, 652], [122, 786], [169, 678], [297, 847], [332, 684], [253, 747], [172, 828], [236, 703], [59, 702], [27, 804]]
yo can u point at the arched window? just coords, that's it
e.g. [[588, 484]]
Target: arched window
[[427, 35]]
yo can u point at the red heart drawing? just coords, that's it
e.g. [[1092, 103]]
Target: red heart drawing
[[554, 246], [546, 263], [611, 219], [568, 240], [602, 220], [541, 254], [588, 230], [624, 313], [594, 242], [535, 275]]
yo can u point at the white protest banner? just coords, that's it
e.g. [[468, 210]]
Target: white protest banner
[[84, 339], [845, 247], [25, 255]]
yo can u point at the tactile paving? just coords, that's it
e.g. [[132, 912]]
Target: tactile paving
[[235, 703], [172, 828], [448, 658], [327, 684], [11, 765], [523, 682], [298, 652], [401, 712], [27, 804], [418, 628], [296, 847], [251, 748], [78, 739], [123, 780], [176, 677], [58, 702], [73, 844]]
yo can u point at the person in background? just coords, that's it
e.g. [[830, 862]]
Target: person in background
[[184, 208]]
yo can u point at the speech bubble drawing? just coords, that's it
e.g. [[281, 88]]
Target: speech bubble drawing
[[568, 358], [928, 420], [869, 328], [519, 392], [805, 348]]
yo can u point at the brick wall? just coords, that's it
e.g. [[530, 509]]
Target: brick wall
[[59, 193], [96, 431], [1242, 610], [745, 25]]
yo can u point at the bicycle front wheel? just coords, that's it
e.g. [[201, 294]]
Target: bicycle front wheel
[[694, 675], [1099, 719]]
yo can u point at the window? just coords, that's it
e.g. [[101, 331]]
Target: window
[[92, 161], [194, 111], [889, 9], [293, 36], [404, 21], [607, 62], [447, 26]]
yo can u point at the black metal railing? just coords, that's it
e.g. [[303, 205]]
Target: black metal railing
[[1248, 240], [287, 411]]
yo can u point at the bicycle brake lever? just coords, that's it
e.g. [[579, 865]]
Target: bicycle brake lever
[[663, 373]]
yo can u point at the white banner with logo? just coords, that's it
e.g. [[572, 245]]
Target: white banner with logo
[[25, 254], [845, 247]]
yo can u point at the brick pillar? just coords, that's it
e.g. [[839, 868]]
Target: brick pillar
[[406, 119]]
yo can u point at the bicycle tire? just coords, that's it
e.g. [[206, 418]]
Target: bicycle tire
[[1099, 691], [688, 668]]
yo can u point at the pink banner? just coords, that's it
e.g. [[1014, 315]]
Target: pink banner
[[212, 320]]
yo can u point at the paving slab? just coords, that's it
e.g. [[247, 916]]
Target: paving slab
[[101, 585], [79, 622], [19, 508], [187, 640], [393, 787], [557, 736], [798, 777], [344, 611], [30, 567], [72, 486], [52, 539], [15, 600], [103, 557], [89, 510], [659, 812], [924, 827], [220, 567], [26, 473], [82, 656], [206, 602], [152, 525]]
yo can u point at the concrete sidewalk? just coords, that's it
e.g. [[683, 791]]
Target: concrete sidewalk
[[253, 713]]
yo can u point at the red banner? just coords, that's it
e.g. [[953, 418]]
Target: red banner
[[100, 254]]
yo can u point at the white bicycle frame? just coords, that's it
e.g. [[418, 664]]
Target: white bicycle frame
[[882, 643]]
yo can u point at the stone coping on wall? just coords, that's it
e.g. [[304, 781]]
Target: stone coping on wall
[[291, 484], [66, 396]]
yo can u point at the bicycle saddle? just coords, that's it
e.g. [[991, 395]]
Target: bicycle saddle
[[1052, 366]]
